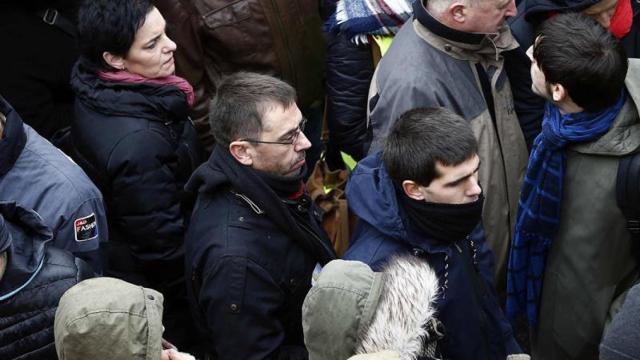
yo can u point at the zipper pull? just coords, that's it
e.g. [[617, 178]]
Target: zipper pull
[[457, 247]]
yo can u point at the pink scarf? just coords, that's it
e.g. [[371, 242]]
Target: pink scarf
[[172, 80]]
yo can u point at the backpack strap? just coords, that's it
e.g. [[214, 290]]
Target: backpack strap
[[54, 18], [628, 192]]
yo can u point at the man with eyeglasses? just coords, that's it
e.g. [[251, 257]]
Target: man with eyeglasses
[[255, 236]]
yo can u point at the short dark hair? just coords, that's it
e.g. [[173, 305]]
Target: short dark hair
[[109, 25], [241, 101], [423, 137], [573, 50]]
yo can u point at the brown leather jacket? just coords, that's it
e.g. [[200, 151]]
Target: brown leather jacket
[[278, 37]]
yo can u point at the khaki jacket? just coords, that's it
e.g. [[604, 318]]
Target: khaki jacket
[[591, 262]]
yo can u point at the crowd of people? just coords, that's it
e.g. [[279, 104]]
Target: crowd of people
[[154, 154]]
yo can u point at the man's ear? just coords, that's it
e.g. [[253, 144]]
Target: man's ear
[[412, 190], [558, 92], [457, 12], [241, 151], [115, 61]]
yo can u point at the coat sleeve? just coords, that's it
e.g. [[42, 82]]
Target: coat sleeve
[[85, 229], [241, 303], [349, 72], [146, 202]]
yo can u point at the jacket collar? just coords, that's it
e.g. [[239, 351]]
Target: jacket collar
[[223, 171], [13, 138], [478, 47], [149, 101]]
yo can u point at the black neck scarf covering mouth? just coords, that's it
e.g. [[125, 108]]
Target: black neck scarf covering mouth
[[445, 223]]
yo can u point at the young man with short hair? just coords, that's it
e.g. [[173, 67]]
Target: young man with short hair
[[255, 236], [571, 261], [420, 196]]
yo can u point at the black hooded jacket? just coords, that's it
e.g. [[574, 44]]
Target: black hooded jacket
[[35, 278], [250, 256], [136, 143]]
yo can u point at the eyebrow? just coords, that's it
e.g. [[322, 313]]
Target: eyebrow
[[504, 4], [292, 131], [155, 38], [463, 178]]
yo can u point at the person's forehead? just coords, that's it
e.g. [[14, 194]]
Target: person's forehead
[[154, 25], [462, 169], [280, 119], [500, 3]]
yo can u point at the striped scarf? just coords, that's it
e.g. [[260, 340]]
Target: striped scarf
[[539, 206], [359, 18]]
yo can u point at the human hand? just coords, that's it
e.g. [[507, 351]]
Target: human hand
[[172, 354]]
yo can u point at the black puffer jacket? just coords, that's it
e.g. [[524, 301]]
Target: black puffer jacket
[[35, 278], [349, 71], [531, 13], [249, 271], [136, 143]]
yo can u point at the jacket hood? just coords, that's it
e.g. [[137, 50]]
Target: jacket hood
[[23, 235], [624, 136], [353, 310], [381, 211], [146, 101], [107, 318], [207, 177], [534, 9]]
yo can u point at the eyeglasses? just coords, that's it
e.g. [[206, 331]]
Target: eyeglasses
[[293, 138]]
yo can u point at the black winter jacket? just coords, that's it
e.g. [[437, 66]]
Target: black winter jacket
[[249, 275], [36, 277], [136, 143], [349, 71], [531, 13]]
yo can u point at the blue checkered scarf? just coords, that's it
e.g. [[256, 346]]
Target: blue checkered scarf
[[539, 205], [358, 18]]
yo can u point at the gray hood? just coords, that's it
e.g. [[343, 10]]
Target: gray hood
[[107, 318]]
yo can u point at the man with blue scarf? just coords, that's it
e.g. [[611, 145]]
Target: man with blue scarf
[[571, 260]]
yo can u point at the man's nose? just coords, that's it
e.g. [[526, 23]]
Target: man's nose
[[512, 9], [302, 142], [474, 188]]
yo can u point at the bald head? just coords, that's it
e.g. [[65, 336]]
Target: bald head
[[472, 16]]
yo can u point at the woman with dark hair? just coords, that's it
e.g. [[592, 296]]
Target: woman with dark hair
[[134, 139]]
